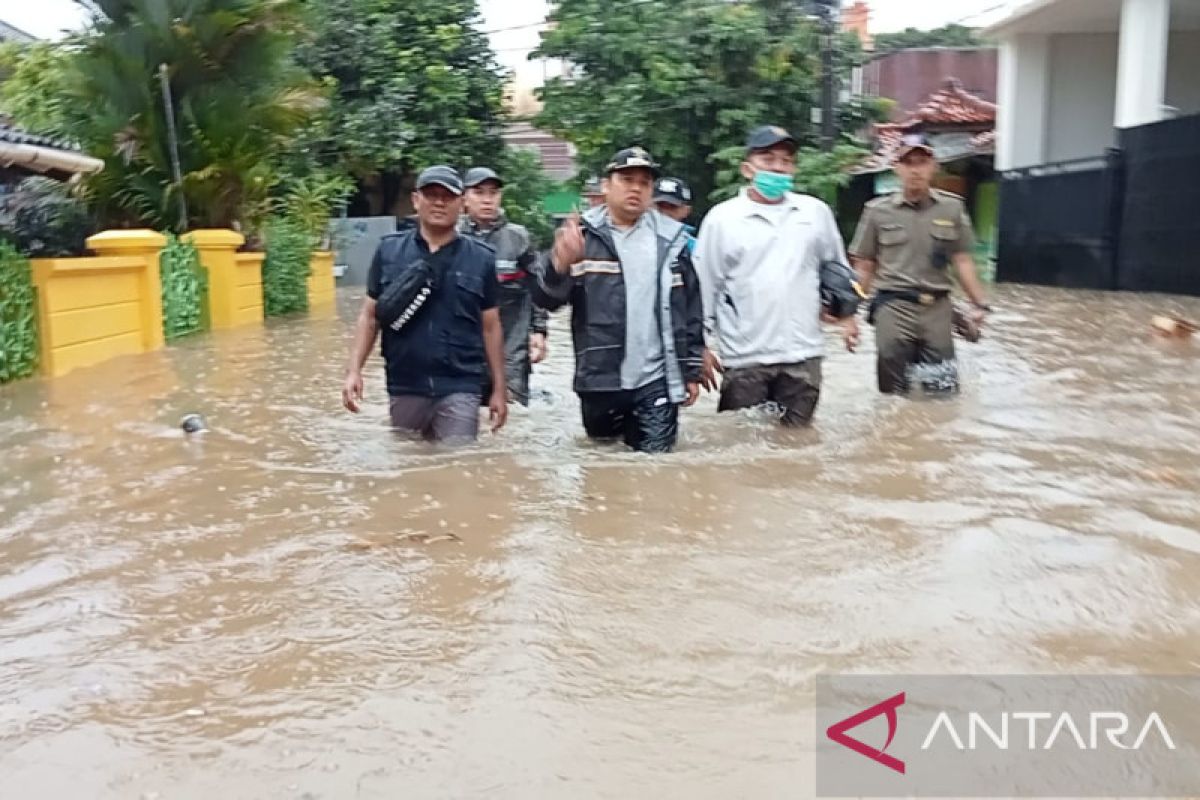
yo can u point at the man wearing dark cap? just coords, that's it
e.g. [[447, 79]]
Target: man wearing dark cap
[[434, 294], [673, 198], [636, 316], [524, 323], [760, 258], [905, 245]]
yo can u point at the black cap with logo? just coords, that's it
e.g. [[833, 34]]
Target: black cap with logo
[[768, 136], [672, 191], [632, 158], [443, 176], [478, 175]]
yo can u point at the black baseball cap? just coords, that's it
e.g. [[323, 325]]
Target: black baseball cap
[[913, 142], [441, 175], [672, 191], [632, 158], [768, 136], [478, 175]]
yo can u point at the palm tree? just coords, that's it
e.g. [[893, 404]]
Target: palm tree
[[238, 98]]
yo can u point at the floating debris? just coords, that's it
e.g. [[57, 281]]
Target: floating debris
[[193, 423], [1175, 327]]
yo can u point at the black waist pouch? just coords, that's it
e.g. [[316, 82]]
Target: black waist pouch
[[406, 295]]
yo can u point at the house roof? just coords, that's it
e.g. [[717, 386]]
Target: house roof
[[11, 33], [13, 135], [967, 123], [953, 105], [30, 154], [1081, 16]]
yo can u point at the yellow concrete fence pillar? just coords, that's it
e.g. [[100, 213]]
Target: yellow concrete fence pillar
[[234, 279], [322, 288], [94, 309]]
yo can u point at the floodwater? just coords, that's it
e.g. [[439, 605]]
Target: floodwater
[[297, 605]]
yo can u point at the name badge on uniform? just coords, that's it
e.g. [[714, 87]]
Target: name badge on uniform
[[945, 223]]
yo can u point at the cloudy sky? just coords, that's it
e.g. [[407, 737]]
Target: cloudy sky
[[48, 18]]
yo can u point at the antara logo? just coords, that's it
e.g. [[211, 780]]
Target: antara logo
[[838, 732], [1097, 730]]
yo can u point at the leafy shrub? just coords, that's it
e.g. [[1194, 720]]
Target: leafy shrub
[[18, 316], [42, 219], [184, 284], [286, 268]]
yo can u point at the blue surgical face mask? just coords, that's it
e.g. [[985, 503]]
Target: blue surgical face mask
[[772, 185]]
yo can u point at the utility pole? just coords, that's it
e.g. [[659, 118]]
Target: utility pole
[[827, 10], [173, 143]]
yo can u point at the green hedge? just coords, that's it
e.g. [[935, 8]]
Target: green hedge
[[184, 286], [18, 316], [286, 268]]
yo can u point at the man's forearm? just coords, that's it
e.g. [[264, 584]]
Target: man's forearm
[[493, 345], [865, 268], [968, 276], [365, 333]]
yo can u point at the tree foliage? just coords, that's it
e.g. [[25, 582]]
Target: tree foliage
[[238, 99], [414, 83], [947, 36], [683, 78], [525, 186], [33, 87]]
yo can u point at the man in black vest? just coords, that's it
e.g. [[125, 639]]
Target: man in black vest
[[435, 351]]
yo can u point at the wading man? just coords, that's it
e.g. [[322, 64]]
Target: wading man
[[434, 294], [905, 245], [636, 313], [760, 258], [524, 323]]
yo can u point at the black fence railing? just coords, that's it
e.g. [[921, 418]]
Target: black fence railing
[[1160, 230], [1058, 223], [1127, 220]]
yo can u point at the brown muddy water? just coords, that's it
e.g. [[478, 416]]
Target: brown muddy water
[[296, 605]]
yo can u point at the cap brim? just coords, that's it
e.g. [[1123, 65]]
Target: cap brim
[[788, 140], [491, 178], [654, 168], [455, 190], [670, 199], [907, 151]]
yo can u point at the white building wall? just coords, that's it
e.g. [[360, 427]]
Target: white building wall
[[1183, 72], [1023, 101], [1082, 97]]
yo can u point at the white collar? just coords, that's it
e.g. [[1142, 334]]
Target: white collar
[[752, 208]]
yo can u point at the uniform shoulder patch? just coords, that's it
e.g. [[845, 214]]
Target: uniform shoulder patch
[[943, 194], [878, 201]]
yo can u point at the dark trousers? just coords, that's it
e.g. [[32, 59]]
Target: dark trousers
[[795, 388], [646, 418], [908, 333]]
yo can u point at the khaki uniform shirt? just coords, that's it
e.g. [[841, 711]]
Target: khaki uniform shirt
[[912, 245]]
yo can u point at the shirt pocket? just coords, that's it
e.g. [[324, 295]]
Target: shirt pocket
[[893, 236], [945, 241], [468, 296]]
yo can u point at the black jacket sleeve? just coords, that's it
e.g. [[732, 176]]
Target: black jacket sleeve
[[550, 290], [693, 359], [539, 318]]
